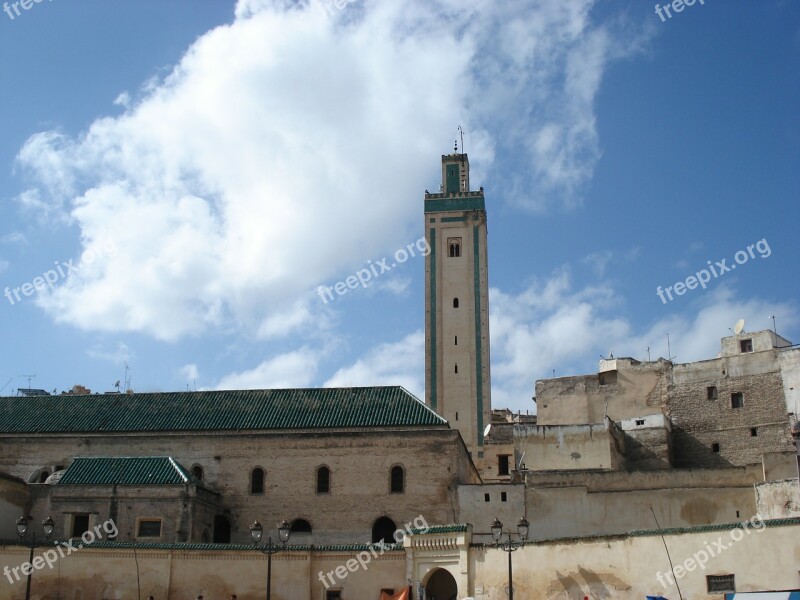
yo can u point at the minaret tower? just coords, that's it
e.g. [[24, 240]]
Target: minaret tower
[[457, 382]]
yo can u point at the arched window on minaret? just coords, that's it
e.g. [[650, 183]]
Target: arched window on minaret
[[455, 247]]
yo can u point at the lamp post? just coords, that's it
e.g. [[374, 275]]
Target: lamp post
[[509, 545], [22, 531], [257, 533]]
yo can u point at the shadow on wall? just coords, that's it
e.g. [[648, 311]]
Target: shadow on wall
[[688, 452], [594, 585]]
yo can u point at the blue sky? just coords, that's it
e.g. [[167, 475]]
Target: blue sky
[[191, 172]]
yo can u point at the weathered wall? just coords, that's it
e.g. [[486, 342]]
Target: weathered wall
[[633, 390], [13, 499], [778, 499], [789, 361], [567, 447], [627, 568], [700, 422], [185, 574], [435, 461]]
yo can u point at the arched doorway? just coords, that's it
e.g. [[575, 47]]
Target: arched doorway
[[441, 586], [383, 531]]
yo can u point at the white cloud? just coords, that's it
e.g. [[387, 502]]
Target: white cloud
[[284, 148], [293, 369], [117, 353], [190, 372], [398, 363]]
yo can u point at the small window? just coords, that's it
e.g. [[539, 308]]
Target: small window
[[454, 245], [720, 583], [456, 371], [486, 497], [640, 421], [711, 392], [323, 480], [746, 345], [388, 591], [333, 594], [455, 302], [502, 464], [43, 476], [197, 471], [715, 447], [455, 343], [753, 432], [257, 481], [737, 400], [149, 528], [456, 415], [80, 525], [503, 497], [397, 484]]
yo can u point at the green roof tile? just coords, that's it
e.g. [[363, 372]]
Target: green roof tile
[[156, 470], [295, 408]]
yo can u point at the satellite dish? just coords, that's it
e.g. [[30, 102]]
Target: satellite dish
[[487, 429], [739, 327]]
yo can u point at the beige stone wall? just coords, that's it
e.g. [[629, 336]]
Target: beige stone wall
[[569, 447], [435, 461], [626, 568], [182, 574], [778, 499]]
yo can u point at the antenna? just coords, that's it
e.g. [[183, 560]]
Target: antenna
[[774, 328], [29, 379], [461, 131], [739, 327], [669, 350]]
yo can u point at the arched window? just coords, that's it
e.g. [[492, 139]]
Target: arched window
[[454, 247], [455, 302], [257, 481], [323, 480], [197, 471], [383, 531], [300, 526], [398, 480], [43, 476]]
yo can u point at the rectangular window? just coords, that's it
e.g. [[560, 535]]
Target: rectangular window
[[149, 528], [503, 497], [333, 594], [711, 392], [737, 400], [80, 525], [640, 421], [746, 345], [486, 497], [753, 432], [715, 447], [502, 464], [720, 583]]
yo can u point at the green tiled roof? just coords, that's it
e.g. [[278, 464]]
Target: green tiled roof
[[157, 470], [455, 528], [295, 408]]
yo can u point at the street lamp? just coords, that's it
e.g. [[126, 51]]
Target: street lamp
[[509, 545], [256, 533], [22, 529]]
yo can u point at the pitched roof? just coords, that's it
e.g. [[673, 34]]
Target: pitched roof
[[295, 408], [140, 470]]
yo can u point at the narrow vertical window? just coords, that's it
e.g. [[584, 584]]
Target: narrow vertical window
[[323, 480], [455, 302], [397, 483], [257, 481]]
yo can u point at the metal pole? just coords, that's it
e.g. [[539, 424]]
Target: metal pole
[[269, 567], [510, 577], [30, 570]]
